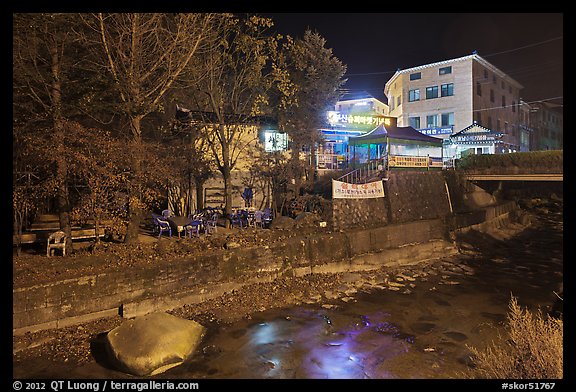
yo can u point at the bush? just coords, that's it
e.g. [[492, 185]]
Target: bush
[[533, 349]]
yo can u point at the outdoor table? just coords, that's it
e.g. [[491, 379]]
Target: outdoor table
[[178, 223]]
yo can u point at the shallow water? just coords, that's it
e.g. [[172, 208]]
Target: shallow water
[[419, 331]]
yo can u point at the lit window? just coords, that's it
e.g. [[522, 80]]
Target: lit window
[[432, 92], [414, 95], [447, 90], [445, 70]]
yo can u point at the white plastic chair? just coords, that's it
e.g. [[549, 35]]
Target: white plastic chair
[[56, 240]]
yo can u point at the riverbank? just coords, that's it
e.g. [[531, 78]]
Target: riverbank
[[75, 348]]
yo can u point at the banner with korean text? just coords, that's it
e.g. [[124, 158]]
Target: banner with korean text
[[344, 190]]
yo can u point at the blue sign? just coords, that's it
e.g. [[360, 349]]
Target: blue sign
[[437, 131]]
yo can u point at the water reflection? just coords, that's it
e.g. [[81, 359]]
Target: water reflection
[[308, 343]]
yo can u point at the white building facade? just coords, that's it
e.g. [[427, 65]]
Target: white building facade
[[443, 98]]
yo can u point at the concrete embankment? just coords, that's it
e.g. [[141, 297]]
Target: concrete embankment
[[408, 236]]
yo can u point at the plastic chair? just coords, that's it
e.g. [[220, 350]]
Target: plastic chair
[[193, 228], [258, 220], [267, 217], [212, 224], [162, 226], [237, 220], [56, 240], [167, 214]]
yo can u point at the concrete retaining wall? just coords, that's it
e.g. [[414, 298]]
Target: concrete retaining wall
[[132, 292]]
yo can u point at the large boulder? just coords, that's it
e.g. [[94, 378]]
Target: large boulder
[[153, 343]]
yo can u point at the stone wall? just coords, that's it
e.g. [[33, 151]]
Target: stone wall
[[155, 287], [408, 196]]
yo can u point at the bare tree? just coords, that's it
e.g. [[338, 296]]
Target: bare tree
[[145, 54], [43, 51]]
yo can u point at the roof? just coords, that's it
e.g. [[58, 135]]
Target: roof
[[474, 56], [381, 133], [481, 128]]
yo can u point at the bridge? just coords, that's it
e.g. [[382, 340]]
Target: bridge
[[516, 177]]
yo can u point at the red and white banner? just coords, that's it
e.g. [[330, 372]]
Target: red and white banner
[[343, 190]]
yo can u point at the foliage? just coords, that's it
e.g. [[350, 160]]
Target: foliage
[[308, 77], [533, 348], [533, 160]]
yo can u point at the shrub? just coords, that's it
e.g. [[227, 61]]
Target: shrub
[[533, 349]]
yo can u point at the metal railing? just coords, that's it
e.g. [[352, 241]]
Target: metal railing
[[365, 172]]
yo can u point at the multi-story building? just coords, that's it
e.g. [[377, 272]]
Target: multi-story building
[[353, 115], [443, 98], [546, 121]]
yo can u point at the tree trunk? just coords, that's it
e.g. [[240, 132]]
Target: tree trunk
[[62, 202], [199, 193], [135, 211]]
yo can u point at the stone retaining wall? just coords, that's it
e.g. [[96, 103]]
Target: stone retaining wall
[[71, 301]]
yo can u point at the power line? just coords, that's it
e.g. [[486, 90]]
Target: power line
[[484, 56], [524, 47]]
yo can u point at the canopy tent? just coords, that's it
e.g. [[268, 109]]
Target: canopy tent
[[386, 140]]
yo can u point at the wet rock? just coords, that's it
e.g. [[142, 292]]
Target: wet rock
[[422, 327], [457, 336]]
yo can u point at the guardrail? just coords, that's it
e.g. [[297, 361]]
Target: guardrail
[[364, 173]]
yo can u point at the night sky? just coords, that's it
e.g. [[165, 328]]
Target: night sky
[[526, 46]]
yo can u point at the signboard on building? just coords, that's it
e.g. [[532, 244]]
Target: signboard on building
[[357, 119], [344, 190], [436, 131]]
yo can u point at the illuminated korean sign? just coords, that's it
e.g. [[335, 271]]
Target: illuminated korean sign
[[337, 118], [275, 141]]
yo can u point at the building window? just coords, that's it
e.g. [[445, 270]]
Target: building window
[[489, 122], [479, 89], [398, 101], [416, 76], [510, 89], [414, 95], [414, 122], [491, 95], [513, 107], [503, 85], [431, 92], [498, 125], [432, 121], [494, 79], [447, 119], [503, 101], [447, 90], [486, 74], [445, 70]]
